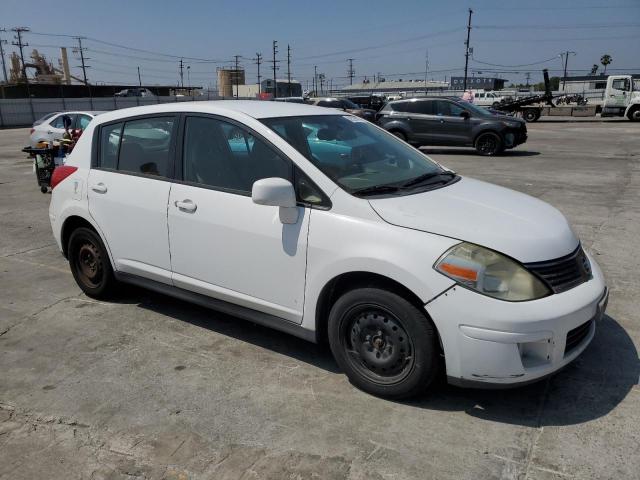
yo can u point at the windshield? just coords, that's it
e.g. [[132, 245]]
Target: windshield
[[346, 103], [483, 112], [354, 153]]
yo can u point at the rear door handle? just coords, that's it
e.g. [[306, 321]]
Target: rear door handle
[[186, 205], [99, 188]]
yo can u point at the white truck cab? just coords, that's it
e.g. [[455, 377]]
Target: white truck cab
[[622, 97]]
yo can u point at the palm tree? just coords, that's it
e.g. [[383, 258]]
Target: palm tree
[[606, 60]]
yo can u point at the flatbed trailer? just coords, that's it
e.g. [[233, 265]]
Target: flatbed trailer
[[621, 99]]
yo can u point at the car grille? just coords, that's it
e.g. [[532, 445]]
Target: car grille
[[565, 272], [576, 336]]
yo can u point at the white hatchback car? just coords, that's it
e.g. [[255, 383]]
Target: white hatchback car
[[51, 126], [323, 225]]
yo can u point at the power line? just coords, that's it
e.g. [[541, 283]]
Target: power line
[[557, 27], [515, 66]]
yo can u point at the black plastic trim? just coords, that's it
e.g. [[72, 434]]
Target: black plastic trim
[[245, 313]]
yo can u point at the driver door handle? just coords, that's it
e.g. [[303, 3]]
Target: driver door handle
[[186, 205], [99, 188]]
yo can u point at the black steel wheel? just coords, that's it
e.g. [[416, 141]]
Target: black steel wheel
[[634, 114], [530, 115], [385, 345], [489, 144], [90, 263]]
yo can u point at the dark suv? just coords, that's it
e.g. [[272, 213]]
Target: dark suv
[[451, 122]]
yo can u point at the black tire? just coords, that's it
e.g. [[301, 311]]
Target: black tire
[[384, 344], [399, 134], [634, 114], [530, 115], [43, 189], [90, 264], [489, 144], [495, 105]]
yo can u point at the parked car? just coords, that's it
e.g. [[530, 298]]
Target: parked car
[[51, 126], [134, 92], [372, 102], [346, 105], [487, 99], [320, 224], [451, 122]]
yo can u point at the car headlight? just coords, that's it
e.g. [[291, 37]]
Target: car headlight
[[490, 273], [512, 124]]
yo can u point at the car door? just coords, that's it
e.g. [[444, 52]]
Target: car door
[[128, 190], [452, 128], [222, 244], [424, 122], [617, 95]]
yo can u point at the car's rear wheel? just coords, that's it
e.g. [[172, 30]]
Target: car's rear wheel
[[385, 345], [488, 144], [90, 263], [400, 135]]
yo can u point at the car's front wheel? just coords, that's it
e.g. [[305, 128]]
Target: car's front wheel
[[90, 263], [385, 344], [489, 144]]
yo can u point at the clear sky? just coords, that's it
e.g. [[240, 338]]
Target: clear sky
[[387, 37]]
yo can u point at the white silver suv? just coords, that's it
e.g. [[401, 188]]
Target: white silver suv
[[322, 225]]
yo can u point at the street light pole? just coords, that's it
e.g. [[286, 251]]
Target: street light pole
[[466, 55], [566, 61]]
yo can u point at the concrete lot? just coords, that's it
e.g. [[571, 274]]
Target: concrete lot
[[151, 387]]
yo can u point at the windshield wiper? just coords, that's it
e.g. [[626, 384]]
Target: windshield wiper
[[424, 177], [376, 190]]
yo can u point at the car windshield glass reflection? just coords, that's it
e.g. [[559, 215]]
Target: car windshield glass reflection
[[354, 153]]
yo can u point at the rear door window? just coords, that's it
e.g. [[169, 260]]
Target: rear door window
[[145, 146], [82, 121], [109, 145]]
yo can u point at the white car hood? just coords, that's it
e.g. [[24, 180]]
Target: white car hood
[[504, 220]]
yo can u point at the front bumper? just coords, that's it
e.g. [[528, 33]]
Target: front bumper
[[489, 342], [515, 136]]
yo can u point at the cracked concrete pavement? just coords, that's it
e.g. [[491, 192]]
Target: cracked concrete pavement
[[151, 387]]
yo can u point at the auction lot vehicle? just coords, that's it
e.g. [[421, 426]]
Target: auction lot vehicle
[[323, 225], [621, 99], [487, 99], [345, 105], [51, 126], [134, 92], [451, 122]]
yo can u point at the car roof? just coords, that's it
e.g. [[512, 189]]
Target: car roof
[[253, 108], [421, 99]]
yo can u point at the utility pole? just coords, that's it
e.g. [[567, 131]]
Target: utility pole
[[181, 64], [237, 74], [18, 43], [4, 67], [139, 79], [351, 72], [426, 71], [315, 80], [566, 60], [466, 55], [258, 61], [289, 69], [528, 77], [275, 67], [82, 60]]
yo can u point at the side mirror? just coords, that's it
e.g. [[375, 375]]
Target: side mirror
[[277, 192], [464, 114]]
